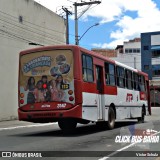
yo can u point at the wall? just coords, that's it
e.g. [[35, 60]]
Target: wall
[[22, 22], [148, 41], [146, 53], [130, 59], [106, 52]]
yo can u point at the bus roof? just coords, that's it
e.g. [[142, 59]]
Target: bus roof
[[93, 53]]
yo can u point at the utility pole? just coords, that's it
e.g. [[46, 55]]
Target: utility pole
[[76, 17], [67, 23]]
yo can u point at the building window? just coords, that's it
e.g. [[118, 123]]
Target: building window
[[155, 53], [126, 51], [130, 50], [145, 47], [138, 50], [134, 50], [156, 73], [87, 68], [121, 50], [110, 74], [120, 77], [146, 67], [156, 70]]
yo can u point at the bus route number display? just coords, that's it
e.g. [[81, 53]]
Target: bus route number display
[[65, 86]]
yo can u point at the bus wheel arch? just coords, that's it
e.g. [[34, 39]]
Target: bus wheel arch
[[114, 108], [111, 116]]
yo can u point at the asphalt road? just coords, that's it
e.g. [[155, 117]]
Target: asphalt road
[[88, 142]]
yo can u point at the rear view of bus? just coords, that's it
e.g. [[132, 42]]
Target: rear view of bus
[[46, 86]]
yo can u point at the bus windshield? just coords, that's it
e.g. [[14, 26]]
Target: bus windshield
[[46, 76]]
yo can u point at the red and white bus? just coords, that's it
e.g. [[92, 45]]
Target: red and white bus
[[69, 85]]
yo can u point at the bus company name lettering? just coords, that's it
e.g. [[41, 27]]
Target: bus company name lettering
[[129, 97], [46, 106], [37, 62], [63, 105]]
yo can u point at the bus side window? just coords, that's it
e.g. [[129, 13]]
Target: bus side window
[[129, 82], [87, 68], [135, 77], [120, 77], [141, 83], [110, 74]]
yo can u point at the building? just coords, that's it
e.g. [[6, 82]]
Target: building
[[130, 53], [119, 49], [150, 49], [23, 24], [151, 54]]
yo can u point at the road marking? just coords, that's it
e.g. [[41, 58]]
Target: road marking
[[27, 126], [124, 148]]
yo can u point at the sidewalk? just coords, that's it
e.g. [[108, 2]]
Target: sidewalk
[[13, 123], [155, 114]]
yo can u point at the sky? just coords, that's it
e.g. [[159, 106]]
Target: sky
[[119, 20]]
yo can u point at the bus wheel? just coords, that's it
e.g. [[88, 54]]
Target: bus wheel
[[67, 125], [111, 118], [141, 119]]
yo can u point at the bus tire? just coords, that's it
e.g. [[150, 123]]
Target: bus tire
[[67, 125], [111, 118], [141, 119]]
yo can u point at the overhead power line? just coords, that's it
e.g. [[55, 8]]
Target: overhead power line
[[11, 25], [33, 24], [67, 23], [76, 16]]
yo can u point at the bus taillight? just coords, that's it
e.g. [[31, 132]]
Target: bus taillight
[[22, 95], [21, 101], [70, 92], [71, 98]]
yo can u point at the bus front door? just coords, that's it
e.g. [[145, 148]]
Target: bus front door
[[100, 96]]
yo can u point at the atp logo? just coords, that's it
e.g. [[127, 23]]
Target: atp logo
[[129, 97]]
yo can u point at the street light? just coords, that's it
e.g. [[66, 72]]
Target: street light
[[96, 24]]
